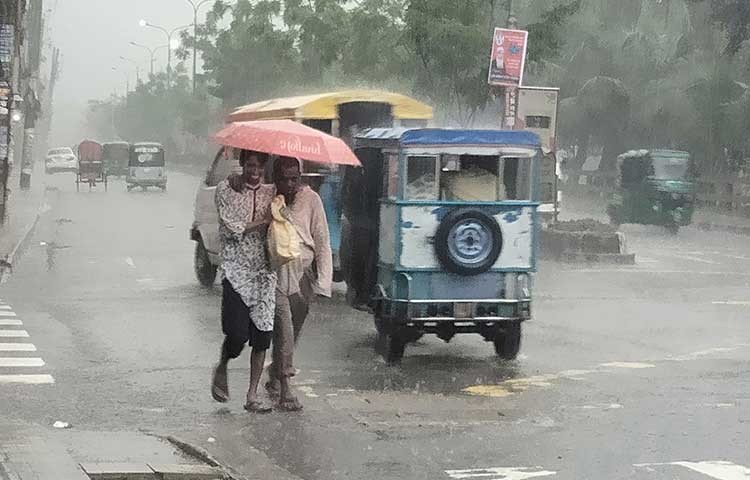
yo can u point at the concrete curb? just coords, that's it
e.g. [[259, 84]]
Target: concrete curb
[[737, 230], [585, 247], [198, 453], [10, 258]]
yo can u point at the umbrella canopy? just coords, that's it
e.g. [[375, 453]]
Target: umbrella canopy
[[287, 138]]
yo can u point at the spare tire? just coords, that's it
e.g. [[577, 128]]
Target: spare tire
[[468, 241]]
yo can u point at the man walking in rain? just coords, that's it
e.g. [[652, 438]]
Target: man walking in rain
[[299, 280]]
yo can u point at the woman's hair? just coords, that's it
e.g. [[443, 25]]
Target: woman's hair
[[282, 163], [246, 154]]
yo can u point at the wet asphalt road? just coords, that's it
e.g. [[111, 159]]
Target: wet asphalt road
[[625, 371]]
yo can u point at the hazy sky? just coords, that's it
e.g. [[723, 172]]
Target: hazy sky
[[92, 35]]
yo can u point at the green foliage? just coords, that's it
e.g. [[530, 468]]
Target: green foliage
[[633, 73]]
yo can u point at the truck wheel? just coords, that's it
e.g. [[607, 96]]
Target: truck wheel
[[468, 241], [205, 271], [508, 341]]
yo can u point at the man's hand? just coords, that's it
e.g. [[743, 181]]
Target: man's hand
[[236, 182]]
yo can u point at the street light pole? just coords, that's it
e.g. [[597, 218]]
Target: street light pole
[[151, 52], [196, 7], [144, 23], [127, 83], [137, 69]]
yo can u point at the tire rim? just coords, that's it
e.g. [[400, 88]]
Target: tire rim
[[470, 242]]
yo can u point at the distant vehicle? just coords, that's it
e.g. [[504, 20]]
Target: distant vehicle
[[116, 155], [146, 166], [655, 187], [60, 160], [90, 165]]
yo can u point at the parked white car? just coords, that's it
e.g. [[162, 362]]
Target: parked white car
[[60, 159], [205, 229]]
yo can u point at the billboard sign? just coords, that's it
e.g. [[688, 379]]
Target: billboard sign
[[508, 57], [537, 111]]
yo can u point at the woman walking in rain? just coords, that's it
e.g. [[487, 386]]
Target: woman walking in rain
[[249, 283]]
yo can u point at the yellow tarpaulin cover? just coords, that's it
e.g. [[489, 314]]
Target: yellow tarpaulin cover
[[324, 106]]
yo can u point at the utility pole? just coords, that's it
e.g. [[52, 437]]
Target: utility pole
[[31, 101], [511, 93], [10, 37]]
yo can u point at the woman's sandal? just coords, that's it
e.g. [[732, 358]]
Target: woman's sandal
[[256, 406], [219, 386]]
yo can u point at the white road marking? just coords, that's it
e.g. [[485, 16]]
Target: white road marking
[[6, 307], [10, 322], [632, 365], [500, 473], [732, 302], [17, 347], [656, 272], [27, 379], [603, 406], [14, 334], [21, 362], [718, 469], [130, 262], [706, 353], [518, 385], [8, 314], [695, 259]]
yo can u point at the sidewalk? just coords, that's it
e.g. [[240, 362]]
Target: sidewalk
[[22, 212], [32, 452]]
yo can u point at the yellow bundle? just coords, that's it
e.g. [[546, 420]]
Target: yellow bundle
[[283, 241]]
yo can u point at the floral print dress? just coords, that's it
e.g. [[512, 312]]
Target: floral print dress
[[244, 257]]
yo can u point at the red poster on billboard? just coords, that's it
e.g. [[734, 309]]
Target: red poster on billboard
[[508, 57]]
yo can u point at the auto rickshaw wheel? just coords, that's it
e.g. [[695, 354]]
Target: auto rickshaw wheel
[[205, 271], [508, 341]]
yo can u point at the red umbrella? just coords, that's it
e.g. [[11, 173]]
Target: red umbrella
[[287, 138]]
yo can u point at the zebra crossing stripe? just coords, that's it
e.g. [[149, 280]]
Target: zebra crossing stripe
[[17, 347], [14, 334], [5, 307], [8, 314], [21, 362], [27, 379], [10, 322]]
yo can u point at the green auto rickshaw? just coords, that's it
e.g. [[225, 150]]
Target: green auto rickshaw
[[116, 155], [655, 187]]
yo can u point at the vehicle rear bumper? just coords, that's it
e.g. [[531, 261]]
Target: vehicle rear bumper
[[472, 315], [54, 169], [147, 182]]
